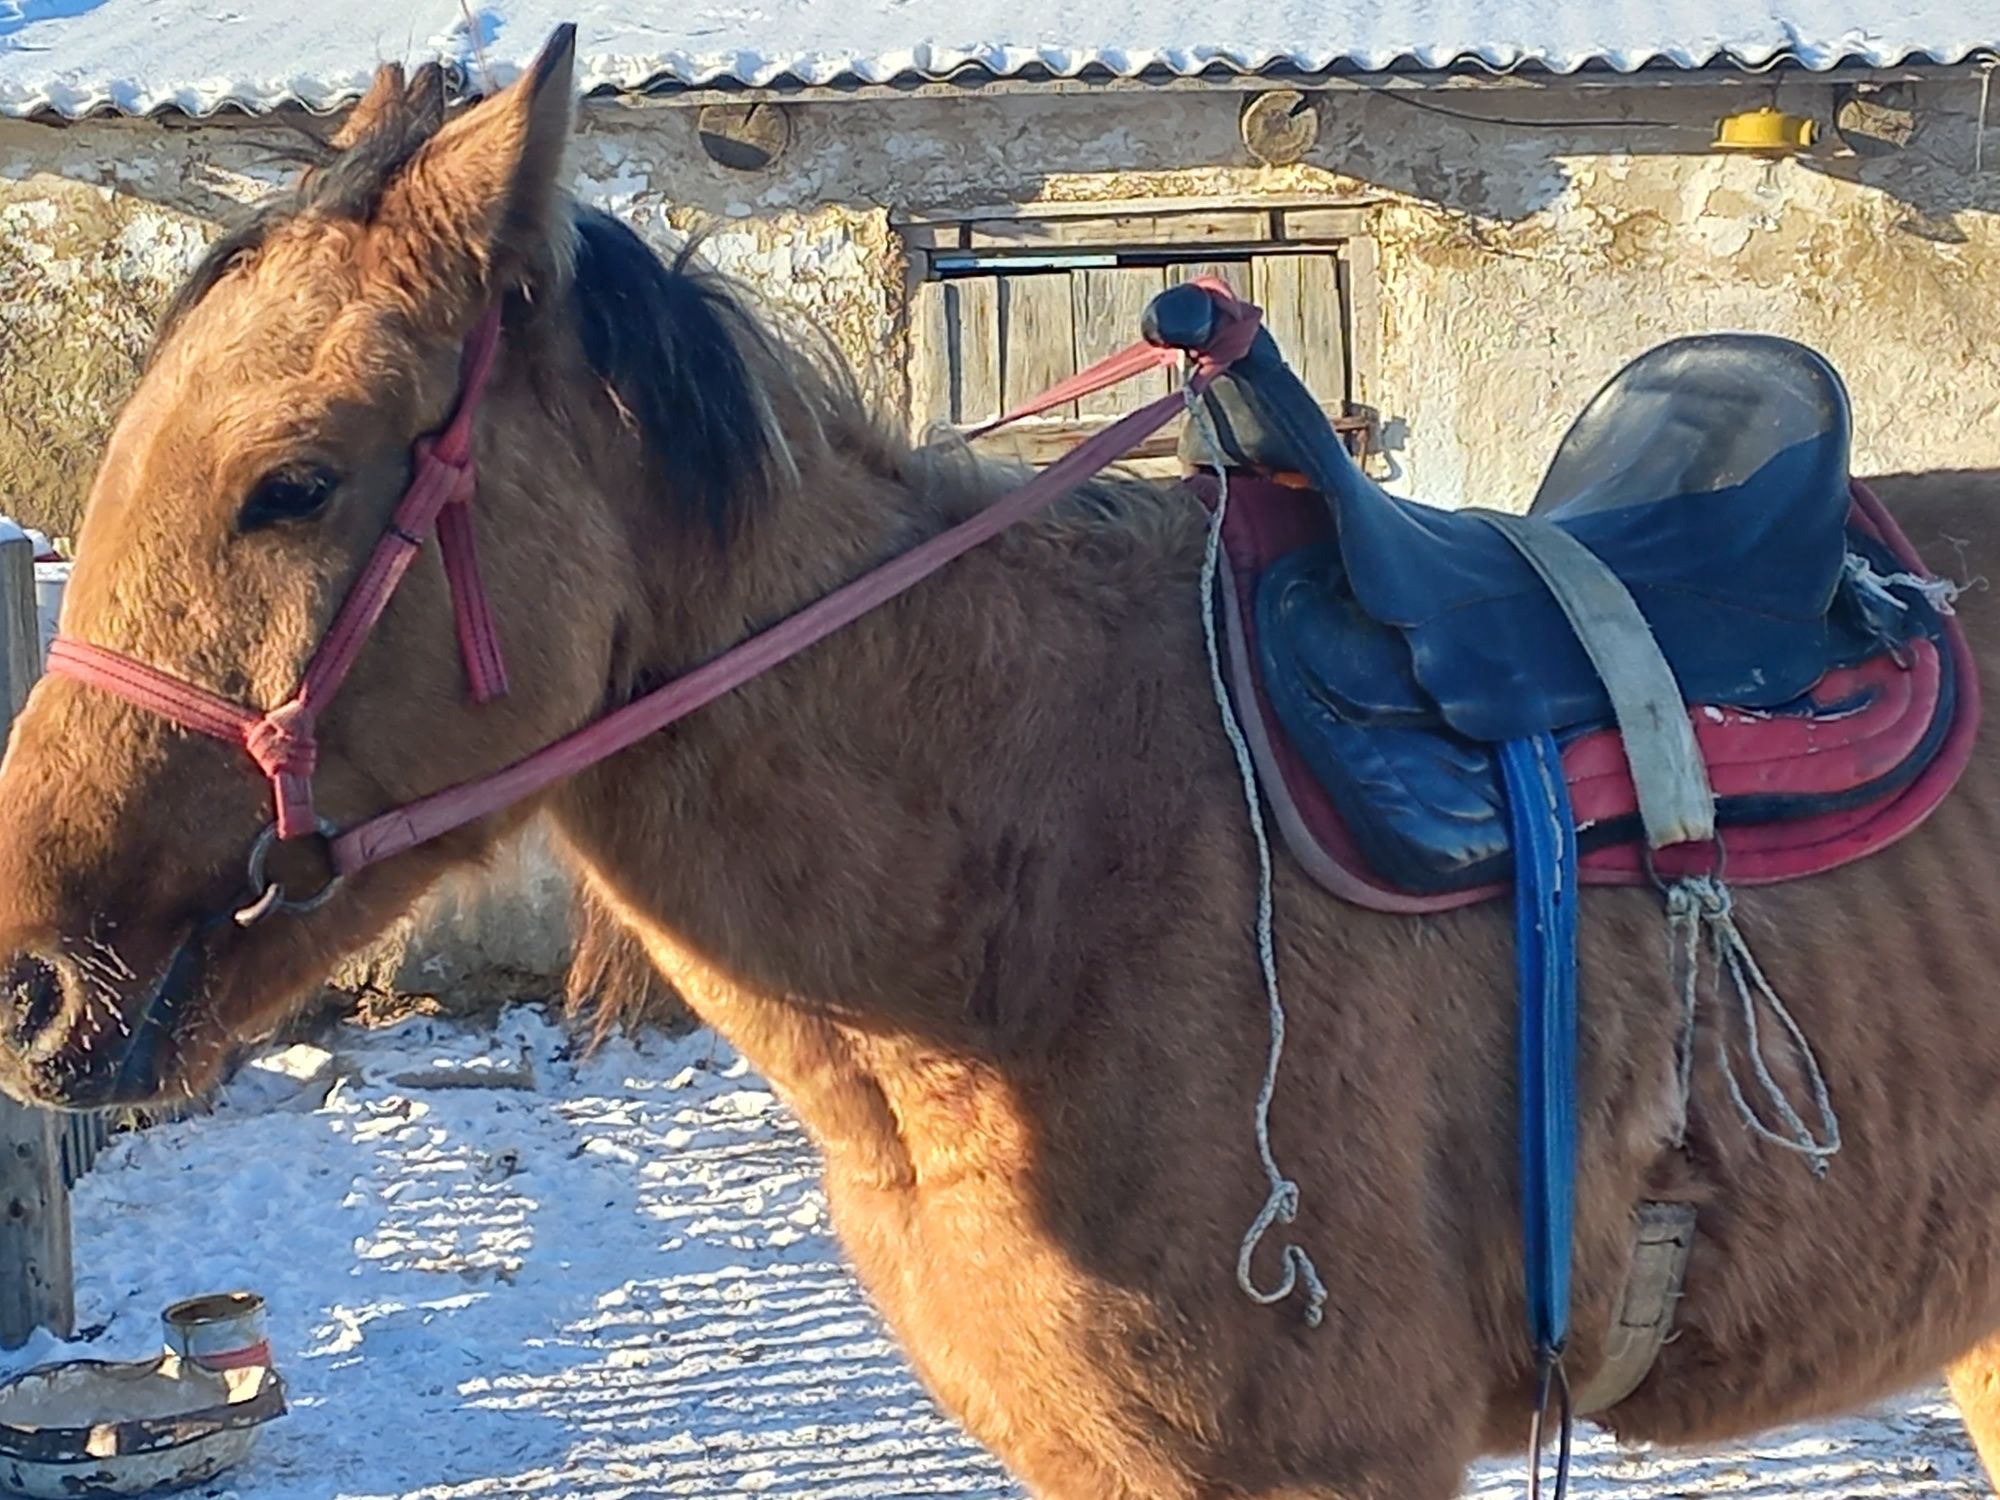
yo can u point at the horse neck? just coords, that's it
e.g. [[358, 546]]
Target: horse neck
[[838, 841]]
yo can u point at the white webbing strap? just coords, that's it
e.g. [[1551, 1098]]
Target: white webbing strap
[[1676, 803]]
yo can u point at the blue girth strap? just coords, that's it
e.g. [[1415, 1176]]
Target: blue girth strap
[[1545, 907]]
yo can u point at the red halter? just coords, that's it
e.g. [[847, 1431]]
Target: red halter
[[282, 740]]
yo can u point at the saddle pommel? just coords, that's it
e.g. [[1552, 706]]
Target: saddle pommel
[[1182, 317]]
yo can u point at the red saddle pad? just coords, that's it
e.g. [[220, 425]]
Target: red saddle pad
[[1748, 752]]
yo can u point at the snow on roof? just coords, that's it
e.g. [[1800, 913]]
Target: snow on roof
[[75, 57]]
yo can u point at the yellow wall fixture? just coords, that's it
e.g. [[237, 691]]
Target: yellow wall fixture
[[1765, 132]]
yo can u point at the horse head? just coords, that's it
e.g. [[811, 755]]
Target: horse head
[[247, 485]]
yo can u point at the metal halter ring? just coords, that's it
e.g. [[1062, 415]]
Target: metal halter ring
[[1716, 871], [266, 896]]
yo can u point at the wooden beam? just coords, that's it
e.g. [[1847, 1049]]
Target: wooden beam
[[1125, 208], [37, 1280], [1043, 441], [1231, 226]]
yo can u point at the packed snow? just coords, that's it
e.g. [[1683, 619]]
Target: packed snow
[[498, 1265]]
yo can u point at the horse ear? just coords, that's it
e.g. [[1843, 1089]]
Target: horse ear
[[478, 205], [383, 95], [424, 98]]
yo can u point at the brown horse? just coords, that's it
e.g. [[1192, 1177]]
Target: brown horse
[[970, 881]]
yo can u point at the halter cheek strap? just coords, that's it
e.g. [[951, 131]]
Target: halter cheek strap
[[283, 741]]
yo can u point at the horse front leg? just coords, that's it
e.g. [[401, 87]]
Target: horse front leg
[[1974, 1378]]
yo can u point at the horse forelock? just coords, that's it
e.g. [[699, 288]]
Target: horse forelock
[[345, 183]]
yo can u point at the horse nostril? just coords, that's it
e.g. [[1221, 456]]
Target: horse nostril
[[33, 991]]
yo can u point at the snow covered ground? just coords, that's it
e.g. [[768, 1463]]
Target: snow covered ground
[[618, 1282]]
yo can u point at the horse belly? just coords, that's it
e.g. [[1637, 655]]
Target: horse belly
[[1808, 1296], [1013, 1340]]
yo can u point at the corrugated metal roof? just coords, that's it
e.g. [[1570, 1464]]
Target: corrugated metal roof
[[74, 57]]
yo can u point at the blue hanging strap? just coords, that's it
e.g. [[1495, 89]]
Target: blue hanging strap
[[1545, 907]]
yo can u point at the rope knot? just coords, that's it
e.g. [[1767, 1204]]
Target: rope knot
[[1703, 896], [464, 479], [283, 742]]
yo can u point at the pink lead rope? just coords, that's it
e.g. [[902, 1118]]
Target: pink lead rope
[[282, 741]]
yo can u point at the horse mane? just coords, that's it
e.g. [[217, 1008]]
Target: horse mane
[[732, 412]]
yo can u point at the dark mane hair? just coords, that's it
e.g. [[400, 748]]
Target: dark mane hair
[[719, 401], [674, 344]]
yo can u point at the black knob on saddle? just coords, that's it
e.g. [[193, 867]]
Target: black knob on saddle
[[1181, 317]]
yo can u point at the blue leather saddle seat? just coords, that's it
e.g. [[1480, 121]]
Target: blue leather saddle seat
[[1711, 474]]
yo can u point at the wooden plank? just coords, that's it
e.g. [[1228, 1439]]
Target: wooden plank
[[20, 623], [1300, 295], [1086, 209], [973, 312], [1325, 222], [1037, 337], [1361, 291], [1108, 307], [1239, 226], [930, 356], [36, 1275], [1234, 274]]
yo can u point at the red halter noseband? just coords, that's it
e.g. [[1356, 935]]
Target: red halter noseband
[[282, 741]]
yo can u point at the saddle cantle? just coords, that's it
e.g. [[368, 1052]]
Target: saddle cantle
[[1381, 649]]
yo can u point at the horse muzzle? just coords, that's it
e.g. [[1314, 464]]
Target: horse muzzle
[[81, 1034]]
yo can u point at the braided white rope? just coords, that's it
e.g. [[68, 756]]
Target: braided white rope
[[1282, 1206], [1699, 902]]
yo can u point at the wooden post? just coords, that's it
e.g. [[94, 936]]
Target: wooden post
[[36, 1276]]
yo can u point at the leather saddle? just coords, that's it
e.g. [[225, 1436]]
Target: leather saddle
[[1383, 648]]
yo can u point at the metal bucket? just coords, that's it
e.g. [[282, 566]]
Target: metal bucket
[[221, 1331]]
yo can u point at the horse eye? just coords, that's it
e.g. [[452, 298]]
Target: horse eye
[[287, 495]]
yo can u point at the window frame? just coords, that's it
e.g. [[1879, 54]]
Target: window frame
[[987, 254]]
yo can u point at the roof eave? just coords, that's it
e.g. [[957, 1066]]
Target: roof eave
[[975, 80]]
